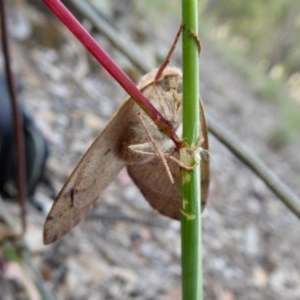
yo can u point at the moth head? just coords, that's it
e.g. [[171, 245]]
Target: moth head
[[171, 83], [169, 91], [165, 93]]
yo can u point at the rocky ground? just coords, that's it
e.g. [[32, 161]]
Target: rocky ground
[[125, 250]]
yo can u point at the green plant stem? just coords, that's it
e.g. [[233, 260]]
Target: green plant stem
[[191, 233]]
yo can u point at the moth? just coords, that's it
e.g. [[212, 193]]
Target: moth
[[124, 143]]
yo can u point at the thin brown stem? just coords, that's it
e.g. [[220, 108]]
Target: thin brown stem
[[248, 157], [167, 59], [18, 122]]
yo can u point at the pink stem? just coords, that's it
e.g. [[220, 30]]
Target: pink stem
[[103, 58]]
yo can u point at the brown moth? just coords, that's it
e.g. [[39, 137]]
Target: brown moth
[[124, 143]]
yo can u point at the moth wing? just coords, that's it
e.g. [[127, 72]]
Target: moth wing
[[94, 172], [155, 185]]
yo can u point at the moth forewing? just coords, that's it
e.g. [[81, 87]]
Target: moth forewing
[[94, 172], [101, 163]]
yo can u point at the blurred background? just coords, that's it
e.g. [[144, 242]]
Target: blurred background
[[250, 83]]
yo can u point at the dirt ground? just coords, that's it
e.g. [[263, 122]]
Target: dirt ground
[[125, 250]]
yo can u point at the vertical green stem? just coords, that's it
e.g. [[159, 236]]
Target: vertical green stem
[[191, 233]]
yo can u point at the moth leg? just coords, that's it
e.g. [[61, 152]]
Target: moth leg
[[191, 149], [139, 148], [180, 163], [144, 148], [196, 38], [157, 150]]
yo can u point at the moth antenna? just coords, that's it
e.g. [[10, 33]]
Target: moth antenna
[[167, 59], [160, 154]]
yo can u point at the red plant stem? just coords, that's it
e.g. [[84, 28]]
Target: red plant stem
[[103, 58]]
